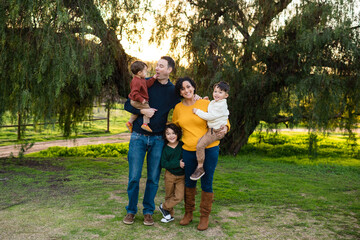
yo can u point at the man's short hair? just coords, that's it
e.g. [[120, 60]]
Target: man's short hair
[[171, 62], [137, 66], [224, 86]]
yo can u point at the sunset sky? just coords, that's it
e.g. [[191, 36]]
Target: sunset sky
[[151, 52]]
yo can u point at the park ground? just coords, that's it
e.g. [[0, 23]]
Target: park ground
[[263, 193]]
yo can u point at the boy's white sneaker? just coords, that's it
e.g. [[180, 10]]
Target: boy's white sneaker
[[164, 220], [165, 213]]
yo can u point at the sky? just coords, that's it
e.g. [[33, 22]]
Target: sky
[[143, 50], [151, 52]]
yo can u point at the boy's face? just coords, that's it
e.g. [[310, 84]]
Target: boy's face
[[162, 69], [219, 94], [170, 135], [143, 73]]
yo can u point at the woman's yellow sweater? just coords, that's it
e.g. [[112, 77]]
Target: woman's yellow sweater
[[193, 127]]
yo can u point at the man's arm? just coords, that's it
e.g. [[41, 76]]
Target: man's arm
[[128, 107], [149, 112]]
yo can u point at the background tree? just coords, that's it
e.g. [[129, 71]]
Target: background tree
[[285, 62], [57, 56]]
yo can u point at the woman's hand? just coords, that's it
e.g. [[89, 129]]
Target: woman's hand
[[148, 112], [222, 132]]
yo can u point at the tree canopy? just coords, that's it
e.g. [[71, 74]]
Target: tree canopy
[[57, 56], [286, 61]]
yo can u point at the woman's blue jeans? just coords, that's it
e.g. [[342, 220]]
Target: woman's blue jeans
[[211, 159], [138, 147]]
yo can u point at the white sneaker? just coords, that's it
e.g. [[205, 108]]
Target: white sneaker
[[164, 220], [165, 213]]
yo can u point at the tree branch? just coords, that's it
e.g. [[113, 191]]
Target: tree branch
[[270, 10]]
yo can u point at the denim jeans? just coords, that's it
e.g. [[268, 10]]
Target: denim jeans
[[211, 159], [140, 145]]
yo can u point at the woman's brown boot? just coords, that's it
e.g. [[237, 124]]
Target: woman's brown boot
[[205, 209], [189, 205]]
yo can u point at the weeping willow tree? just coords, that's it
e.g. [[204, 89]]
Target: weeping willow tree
[[58, 56], [286, 61]]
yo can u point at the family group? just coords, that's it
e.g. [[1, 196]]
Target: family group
[[187, 148]]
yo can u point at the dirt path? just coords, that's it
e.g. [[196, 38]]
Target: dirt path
[[6, 151]]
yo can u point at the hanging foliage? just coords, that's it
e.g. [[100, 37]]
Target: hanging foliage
[[286, 61], [56, 57]]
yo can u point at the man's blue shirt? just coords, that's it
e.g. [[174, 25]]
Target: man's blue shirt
[[161, 97]]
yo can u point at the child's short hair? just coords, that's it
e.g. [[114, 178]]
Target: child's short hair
[[175, 128], [137, 66], [224, 86]]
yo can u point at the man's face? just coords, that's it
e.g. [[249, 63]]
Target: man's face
[[162, 69]]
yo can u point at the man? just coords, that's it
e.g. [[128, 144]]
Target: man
[[162, 99]]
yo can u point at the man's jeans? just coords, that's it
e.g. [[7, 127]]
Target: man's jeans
[[139, 145]]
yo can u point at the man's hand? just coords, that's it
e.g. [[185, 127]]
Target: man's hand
[[148, 112], [197, 97]]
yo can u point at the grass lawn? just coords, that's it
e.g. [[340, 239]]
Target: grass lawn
[[271, 190], [255, 198]]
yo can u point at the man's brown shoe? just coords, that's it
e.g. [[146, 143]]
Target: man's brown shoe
[[148, 220], [199, 172], [129, 218]]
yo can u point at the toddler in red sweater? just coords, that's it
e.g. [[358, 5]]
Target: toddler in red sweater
[[139, 97]]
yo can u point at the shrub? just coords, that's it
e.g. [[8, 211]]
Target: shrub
[[100, 150]]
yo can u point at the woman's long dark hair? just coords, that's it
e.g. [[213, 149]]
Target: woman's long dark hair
[[179, 83]]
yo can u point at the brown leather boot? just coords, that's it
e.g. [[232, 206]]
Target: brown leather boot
[[189, 205], [205, 209]]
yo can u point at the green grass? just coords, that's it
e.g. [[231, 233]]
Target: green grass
[[274, 189], [118, 118], [255, 198], [293, 147]]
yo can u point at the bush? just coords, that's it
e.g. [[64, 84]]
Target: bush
[[283, 145], [100, 150]]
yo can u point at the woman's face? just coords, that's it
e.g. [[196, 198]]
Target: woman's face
[[187, 90]]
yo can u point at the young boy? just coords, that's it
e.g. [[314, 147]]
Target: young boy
[[138, 96], [171, 160], [216, 116]]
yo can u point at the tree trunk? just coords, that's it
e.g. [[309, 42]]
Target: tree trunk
[[238, 137], [19, 127], [108, 118]]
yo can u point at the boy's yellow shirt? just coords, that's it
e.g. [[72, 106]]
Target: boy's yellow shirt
[[193, 127]]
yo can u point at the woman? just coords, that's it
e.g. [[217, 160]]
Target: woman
[[194, 128]]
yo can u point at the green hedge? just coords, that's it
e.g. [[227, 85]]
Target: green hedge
[[99, 150]]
